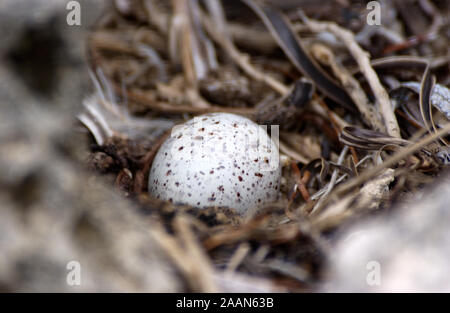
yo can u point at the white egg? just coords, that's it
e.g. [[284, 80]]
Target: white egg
[[217, 159]]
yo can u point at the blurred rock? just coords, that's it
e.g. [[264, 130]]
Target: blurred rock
[[407, 251], [44, 53], [51, 212]]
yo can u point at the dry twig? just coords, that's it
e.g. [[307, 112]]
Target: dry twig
[[362, 58]]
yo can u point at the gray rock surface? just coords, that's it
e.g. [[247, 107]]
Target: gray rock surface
[[407, 251], [44, 53], [51, 212]]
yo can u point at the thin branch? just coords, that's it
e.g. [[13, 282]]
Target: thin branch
[[242, 59], [401, 154], [362, 58], [351, 85]]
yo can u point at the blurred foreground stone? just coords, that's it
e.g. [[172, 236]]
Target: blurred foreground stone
[[408, 251], [50, 212]]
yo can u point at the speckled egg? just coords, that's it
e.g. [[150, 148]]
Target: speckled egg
[[218, 159]]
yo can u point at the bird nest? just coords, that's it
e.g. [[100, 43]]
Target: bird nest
[[363, 114]]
